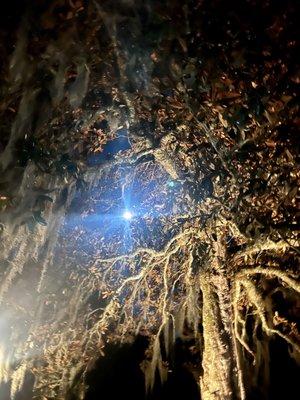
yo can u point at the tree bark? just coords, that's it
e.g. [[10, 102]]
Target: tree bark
[[222, 377]]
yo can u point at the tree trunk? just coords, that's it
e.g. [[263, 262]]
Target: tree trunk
[[221, 378]]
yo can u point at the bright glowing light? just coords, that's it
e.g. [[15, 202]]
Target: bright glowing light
[[127, 215]]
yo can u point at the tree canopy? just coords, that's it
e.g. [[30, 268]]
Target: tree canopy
[[149, 159]]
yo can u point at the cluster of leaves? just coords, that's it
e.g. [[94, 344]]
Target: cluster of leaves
[[207, 94]]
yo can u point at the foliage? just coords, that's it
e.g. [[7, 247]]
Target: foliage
[[204, 95]]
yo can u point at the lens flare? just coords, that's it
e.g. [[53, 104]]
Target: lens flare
[[127, 215]]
